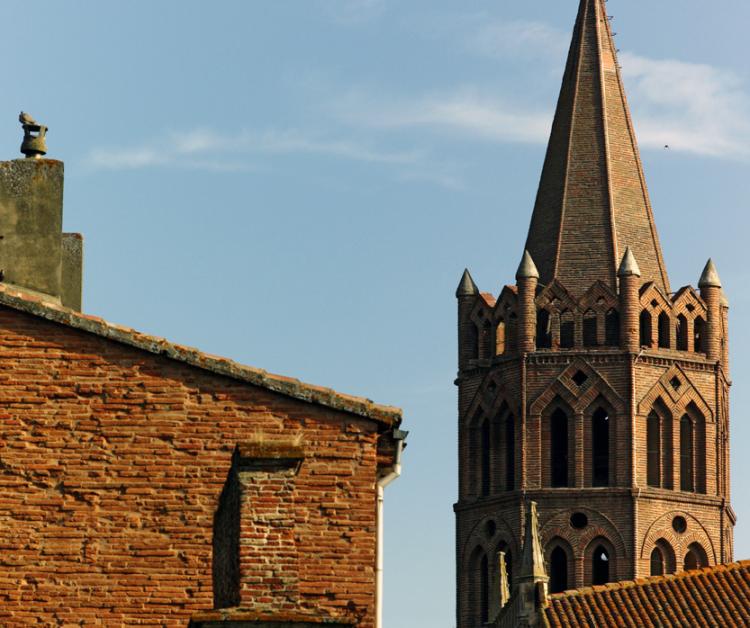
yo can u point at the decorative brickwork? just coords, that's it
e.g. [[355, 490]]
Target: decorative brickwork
[[603, 396]]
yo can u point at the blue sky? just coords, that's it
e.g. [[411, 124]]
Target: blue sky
[[298, 185]]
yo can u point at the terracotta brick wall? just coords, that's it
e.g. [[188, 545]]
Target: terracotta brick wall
[[112, 462]]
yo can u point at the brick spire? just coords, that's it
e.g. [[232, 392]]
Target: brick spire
[[593, 202]]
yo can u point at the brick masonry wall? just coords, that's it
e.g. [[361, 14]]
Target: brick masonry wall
[[112, 462]]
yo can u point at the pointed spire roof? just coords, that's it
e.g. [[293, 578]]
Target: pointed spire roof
[[710, 276], [592, 200], [628, 266], [527, 269], [532, 558], [466, 287]]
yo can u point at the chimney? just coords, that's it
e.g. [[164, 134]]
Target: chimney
[[35, 255]]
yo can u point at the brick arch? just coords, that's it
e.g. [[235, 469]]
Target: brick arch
[[561, 542], [615, 561], [506, 312], [675, 400], [578, 398], [688, 296], [489, 402], [693, 397], [599, 291], [556, 291], [477, 538], [507, 302], [669, 558], [662, 528], [558, 525], [651, 292]]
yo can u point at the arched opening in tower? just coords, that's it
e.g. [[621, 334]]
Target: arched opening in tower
[[485, 458], [698, 330], [543, 330], [600, 566], [664, 329], [590, 338], [612, 328], [653, 443], [510, 452], [646, 331], [657, 562], [558, 568], [600, 447], [559, 448], [696, 557], [687, 453], [682, 333]]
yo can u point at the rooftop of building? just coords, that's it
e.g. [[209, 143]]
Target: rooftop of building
[[712, 596], [47, 308]]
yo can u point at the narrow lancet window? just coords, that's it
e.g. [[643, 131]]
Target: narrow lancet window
[[600, 566], [698, 331], [543, 330], [558, 568], [687, 452], [663, 331], [646, 332], [510, 453], [653, 446], [485, 456], [682, 333], [600, 447], [612, 328], [657, 562], [559, 448], [589, 329]]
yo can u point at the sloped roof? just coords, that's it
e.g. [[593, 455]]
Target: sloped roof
[[593, 201], [37, 305], [711, 597]]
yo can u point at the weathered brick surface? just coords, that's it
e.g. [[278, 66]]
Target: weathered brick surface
[[112, 463]]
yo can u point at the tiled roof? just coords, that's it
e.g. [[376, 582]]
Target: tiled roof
[[712, 597], [38, 305]]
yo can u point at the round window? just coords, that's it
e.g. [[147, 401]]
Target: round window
[[490, 529], [679, 524], [579, 520]]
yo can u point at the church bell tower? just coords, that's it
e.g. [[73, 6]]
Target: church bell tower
[[589, 386]]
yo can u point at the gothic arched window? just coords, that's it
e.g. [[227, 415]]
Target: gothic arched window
[[485, 458], [682, 333], [600, 566], [559, 448], [543, 330], [558, 570], [664, 330], [500, 342], [653, 445], [567, 330], [657, 562], [612, 328], [698, 331], [696, 557], [590, 329], [646, 331], [484, 590], [600, 425], [510, 452], [687, 454]]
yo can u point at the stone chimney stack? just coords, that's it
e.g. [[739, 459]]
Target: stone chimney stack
[[35, 255]]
